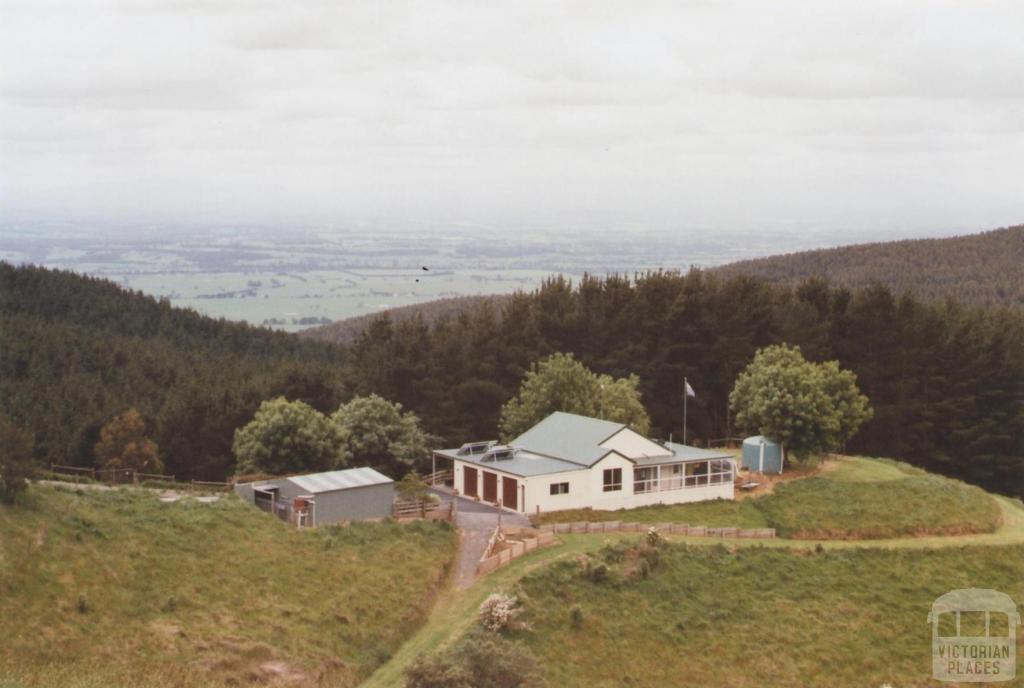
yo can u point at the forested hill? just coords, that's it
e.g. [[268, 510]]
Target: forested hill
[[347, 330], [983, 269], [75, 351], [945, 380]]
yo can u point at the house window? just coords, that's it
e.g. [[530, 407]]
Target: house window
[[645, 480], [559, 488], [612, 479]]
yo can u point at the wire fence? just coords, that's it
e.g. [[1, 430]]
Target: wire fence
[[126, 476]]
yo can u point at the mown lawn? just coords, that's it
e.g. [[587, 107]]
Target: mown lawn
[[855, 498], [752, 616], [119, 589]]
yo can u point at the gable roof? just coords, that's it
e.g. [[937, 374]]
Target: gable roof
[[569, 437], [329, 481], [569, 442]]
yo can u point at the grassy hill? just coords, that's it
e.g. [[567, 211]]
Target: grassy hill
[[115, 588], [751, 616], [854, 498], [980, 269], [608, 610]]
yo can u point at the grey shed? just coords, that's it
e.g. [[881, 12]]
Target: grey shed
[[316, 499]]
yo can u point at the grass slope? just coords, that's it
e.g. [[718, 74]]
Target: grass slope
[[855, 498], [116, 588], [754, 616], [454, 613]]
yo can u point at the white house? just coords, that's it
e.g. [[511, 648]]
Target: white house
[[570, 462]]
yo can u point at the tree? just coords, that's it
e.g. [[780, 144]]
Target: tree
[[412, 487], [376, 432], [16, 465], [123, 444], [561, 383], [810, 408], [287, 437]]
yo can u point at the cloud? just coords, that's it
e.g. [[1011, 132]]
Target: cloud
[[658, 111]]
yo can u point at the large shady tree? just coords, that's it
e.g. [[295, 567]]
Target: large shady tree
[[287, 437], [561, 383], [291, 437], [810, 408], [376, 432]]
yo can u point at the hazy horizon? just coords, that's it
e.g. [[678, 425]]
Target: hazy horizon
[[865, 120]]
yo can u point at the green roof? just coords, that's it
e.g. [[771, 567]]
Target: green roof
[[568, 442], [568, 437]]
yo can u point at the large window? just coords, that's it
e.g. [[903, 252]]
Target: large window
[[720, 471], [703, 473], [612, 479], [645, 480], [559, 488]]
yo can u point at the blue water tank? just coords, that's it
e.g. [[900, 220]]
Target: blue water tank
[[762, 455]]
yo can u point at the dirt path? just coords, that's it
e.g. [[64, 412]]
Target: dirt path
[[476, 522]]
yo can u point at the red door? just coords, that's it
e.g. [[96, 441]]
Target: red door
[[469, 481], [490, 487], [510, 493]]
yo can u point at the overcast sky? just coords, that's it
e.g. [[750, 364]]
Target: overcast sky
[[710, 113]]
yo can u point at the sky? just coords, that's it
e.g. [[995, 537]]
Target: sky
[[846, 114]]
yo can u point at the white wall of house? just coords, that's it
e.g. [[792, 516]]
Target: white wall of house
[[586, 488], [633, 445]]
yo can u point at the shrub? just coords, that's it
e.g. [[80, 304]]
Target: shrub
[[499, 611], [480, 659], [576, 616], [598, 573], [654, 538]]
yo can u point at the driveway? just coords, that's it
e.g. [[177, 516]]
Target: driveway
[[476, 522]]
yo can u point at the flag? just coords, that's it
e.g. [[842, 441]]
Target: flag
[[689, 390]]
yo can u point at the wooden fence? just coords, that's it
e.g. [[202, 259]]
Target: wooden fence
[[423, 508], [528, 540], [669, 528], [439, 477]]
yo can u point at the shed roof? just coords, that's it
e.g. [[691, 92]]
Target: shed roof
[[331, 481]]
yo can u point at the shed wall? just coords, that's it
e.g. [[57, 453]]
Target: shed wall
[[355, 503]]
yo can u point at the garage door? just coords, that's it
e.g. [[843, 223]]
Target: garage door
[[469, 481], [490, 487], [510, 493]]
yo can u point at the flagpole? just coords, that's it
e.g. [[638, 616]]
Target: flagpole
[[685, 399]]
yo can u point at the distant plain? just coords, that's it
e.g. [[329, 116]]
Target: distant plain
[[293, 279]]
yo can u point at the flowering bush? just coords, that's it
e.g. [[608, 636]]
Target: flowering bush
[[499, 611]]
